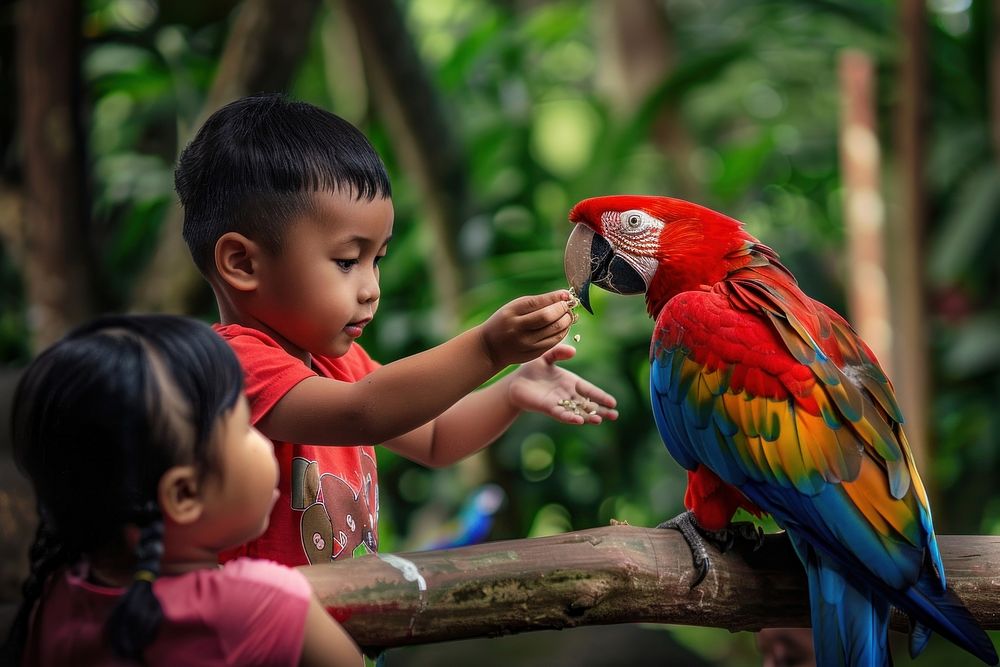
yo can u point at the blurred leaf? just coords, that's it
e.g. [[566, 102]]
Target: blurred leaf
[[696, 70], [959, 244], [872, 16], [553, 22], [479, 41], [551, 519], [955, 152], [107, 59], [975, 349], [742, 163], [564, 135]]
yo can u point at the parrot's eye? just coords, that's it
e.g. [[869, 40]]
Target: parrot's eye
[[633, 221]]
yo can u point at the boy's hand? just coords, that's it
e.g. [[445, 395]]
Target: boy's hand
[[526, 327], [542, 386]]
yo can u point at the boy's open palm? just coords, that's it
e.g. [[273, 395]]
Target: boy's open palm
[[542, 386]]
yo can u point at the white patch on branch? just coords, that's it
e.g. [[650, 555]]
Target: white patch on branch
[[407, 568]]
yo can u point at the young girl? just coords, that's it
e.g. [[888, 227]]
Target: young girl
[[135, 434]]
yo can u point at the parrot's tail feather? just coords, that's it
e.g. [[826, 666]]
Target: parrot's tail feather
[[929, 605], [943, 611], [850, 626], [919, 636]]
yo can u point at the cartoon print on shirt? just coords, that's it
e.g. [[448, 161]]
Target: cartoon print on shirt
[[337, 516]]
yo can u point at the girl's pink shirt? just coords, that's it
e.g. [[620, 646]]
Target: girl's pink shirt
[[248, 612]]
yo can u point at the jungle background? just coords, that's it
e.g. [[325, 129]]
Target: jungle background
[[494, 117]]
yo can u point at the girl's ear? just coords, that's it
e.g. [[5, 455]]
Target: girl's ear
[[179, 495], [236, 260]]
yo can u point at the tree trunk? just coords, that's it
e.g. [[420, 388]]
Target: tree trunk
[[57, 264], [11, 211], [638, 56], [994, 77], [864, 207], [9, 171], [414, 114], [910, 320], [616, 574], [265, 46]]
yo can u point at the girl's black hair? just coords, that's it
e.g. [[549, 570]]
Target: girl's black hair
[[97, 419], [255, 163]]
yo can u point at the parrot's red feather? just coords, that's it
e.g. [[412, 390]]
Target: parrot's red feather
[[713, 501]]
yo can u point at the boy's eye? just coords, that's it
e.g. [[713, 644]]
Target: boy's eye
[[345, 264], [378, 258]]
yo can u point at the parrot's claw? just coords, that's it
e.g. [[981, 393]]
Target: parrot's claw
[[724, 539], [750, 532], [746, 531], [691, 531]]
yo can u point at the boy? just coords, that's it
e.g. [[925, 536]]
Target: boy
[[287, 213]]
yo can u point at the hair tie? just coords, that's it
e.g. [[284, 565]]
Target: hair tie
[[144, 575]]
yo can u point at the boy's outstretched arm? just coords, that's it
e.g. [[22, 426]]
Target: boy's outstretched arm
[[406, 394], [482, 416]]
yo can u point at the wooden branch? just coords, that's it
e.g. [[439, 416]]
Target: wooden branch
[[616, 574]]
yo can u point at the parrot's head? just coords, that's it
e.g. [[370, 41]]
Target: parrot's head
[[659, 246]]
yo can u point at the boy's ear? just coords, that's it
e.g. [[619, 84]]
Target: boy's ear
[[179, 495], [236, 260]]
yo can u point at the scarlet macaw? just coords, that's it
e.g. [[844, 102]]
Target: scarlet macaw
[[773, 404]]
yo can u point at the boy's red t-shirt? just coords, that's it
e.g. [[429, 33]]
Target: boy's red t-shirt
[[328, 508]]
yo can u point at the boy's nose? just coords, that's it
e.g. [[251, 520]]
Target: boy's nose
[[369, 290]]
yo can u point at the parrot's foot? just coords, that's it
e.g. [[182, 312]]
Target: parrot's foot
[[692, 533], [747, 531], [724, 539]]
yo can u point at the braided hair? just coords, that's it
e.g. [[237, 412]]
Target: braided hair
[[120, 400], [135, 619], [47, 554]]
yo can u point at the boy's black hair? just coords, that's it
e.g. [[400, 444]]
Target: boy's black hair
[[255, 162], [97, 419]]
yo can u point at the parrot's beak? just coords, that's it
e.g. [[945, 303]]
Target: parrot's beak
[[578, 261], [590, 259]]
